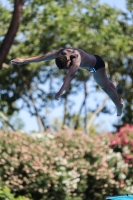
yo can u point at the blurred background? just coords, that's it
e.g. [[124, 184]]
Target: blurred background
[[27, 105]]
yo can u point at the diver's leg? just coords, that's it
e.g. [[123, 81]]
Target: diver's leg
[[113, 86], [103, 81]]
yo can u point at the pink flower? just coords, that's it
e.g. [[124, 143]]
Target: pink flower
[[122, 182]]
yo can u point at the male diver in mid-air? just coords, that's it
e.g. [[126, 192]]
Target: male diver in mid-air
[[72, 59]]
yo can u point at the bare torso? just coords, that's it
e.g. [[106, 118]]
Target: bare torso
[[88, 61]]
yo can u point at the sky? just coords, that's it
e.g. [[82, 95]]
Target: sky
[[116, 3], [105, 124]]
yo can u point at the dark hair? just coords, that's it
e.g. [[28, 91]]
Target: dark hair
[[61, 61]]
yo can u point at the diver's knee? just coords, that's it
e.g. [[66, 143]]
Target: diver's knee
[[106, 88]]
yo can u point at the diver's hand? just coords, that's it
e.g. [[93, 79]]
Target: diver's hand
[[17, 61], [57, 96]]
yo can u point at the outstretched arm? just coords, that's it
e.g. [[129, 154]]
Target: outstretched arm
[[46, 57], [75, 66]]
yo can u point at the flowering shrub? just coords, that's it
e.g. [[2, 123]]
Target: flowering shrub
[[67, 166], [122, 142]]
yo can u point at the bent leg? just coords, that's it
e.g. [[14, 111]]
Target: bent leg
[[103, 81]]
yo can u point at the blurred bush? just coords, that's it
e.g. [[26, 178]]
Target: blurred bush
[[68, 165], [5, 194], [122, 143]]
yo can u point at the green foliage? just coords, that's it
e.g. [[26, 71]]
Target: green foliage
[[4, 21], [5, 194], [130, 6]]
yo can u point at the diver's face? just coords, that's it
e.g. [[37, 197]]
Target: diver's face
[[67, 53], [69, 62]]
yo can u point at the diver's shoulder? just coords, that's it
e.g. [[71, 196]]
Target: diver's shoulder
[[80, 50]]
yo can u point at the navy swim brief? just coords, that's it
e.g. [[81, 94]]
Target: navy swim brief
[[99, 64]]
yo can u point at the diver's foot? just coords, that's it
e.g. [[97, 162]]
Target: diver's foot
[[120, 110], [121, 101]]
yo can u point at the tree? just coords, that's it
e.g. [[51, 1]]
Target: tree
[[8, 39], [12, 30]]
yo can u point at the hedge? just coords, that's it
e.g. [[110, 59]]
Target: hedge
[[68, 166]]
